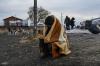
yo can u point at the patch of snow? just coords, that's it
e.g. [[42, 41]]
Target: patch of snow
[[77, 31]]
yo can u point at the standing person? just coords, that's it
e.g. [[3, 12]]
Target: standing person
[[72, 22], [67, 22], [53, 43]]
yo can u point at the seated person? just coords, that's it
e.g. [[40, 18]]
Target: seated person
[[54, 43]]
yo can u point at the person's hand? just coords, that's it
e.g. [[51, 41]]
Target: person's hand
[[46, 41]]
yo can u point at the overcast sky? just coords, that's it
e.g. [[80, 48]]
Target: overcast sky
[[80, 9]]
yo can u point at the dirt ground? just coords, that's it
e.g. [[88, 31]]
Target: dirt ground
[[85, 52]]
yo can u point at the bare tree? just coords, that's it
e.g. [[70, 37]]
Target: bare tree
[[42, 13]]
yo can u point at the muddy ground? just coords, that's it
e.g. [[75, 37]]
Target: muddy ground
[[85, 52]]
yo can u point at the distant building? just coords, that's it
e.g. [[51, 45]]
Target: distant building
[[96, 21], [82, 24], [24, 23], [12, 21], [87, 23], [41, 27]]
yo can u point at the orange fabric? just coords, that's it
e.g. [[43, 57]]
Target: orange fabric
[[56, 32]]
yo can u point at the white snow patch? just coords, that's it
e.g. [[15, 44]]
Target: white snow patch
[[77, 31]]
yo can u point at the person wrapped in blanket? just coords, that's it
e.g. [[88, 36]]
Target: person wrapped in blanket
[[55, 42]]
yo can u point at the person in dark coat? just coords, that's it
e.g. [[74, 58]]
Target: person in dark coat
[[67, 22], [72, 22]]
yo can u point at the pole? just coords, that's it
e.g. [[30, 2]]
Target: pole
[[35, 16], [61, 18]]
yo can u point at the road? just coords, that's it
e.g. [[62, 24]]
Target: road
[[85, 52]]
